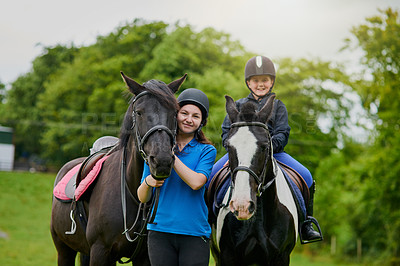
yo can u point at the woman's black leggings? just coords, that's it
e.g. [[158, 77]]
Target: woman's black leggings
[[167, 249]]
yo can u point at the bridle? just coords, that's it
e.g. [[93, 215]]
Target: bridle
[[140, 141], [149, 217], [262, 186]]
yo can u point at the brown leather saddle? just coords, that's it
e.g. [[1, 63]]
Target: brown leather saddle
[[215, 184]]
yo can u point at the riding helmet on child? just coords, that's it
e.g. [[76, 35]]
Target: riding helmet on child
[[259, 65], [195, 97]]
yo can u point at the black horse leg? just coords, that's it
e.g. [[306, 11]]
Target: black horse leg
[[84, 259], [100, 256], [65, 255]]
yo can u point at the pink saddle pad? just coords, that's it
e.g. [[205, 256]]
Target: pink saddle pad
[[59, 189]]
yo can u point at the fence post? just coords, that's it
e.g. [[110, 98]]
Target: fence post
[[333, 245], [359, 249]]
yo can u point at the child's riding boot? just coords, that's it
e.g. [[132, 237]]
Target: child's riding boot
[[308, 233]]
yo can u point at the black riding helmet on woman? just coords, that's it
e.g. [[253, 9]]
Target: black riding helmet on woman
[[198, 98]]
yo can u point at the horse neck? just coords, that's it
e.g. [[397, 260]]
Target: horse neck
[[134, 166]]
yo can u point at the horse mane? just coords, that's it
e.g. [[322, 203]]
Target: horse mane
[[158, 90]]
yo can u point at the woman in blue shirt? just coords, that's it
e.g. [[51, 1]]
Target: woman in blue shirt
[[180, 232]]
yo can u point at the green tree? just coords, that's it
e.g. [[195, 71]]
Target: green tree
[[85, 100], [2, 92], [313, 92], [339, 195], [20, 110], [185, 51], [81, 98], [376, 218]]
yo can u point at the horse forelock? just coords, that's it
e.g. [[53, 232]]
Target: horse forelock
[[162, 93], [159, 91], [248, 112]]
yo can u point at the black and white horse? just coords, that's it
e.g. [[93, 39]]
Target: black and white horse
[[258, 221]]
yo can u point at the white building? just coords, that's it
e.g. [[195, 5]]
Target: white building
[[6, 149]]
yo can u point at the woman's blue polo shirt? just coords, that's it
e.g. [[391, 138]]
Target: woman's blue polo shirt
[[182, 210]]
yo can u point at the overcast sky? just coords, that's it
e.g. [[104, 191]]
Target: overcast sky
[[280, 28]]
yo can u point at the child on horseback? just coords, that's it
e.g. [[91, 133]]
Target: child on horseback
[[260, 79], [180, 232]]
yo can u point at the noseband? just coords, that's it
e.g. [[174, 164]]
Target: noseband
[[262, 186], [142, 140]]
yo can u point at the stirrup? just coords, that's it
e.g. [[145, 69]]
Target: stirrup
[[73, 225], [313, 221]]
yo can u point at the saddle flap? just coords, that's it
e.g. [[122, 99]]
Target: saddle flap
[[217, 188], [90, 177], [88, 165], [215, 182]]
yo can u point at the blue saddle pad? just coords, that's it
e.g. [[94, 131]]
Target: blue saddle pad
[[221, 194]]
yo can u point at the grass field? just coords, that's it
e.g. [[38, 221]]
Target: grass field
[[25, 206]]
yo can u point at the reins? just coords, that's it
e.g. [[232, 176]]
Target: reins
[[141, 233], [150, 215], [259, 179]]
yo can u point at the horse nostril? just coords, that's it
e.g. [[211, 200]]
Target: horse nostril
[[252, 207], [232, 207]]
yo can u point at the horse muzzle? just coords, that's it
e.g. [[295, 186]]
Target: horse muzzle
[[243, 210], [161, 167]]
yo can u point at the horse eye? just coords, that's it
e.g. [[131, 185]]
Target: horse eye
[[138, 113]]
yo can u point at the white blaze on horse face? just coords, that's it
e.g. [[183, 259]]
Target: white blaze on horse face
[[245, 144]]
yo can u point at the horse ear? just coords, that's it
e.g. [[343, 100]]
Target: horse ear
[[176, 84], [133, 86], [231, 110], [265, 113]]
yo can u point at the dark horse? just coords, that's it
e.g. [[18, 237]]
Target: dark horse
[[258, 221], [147, 133]]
